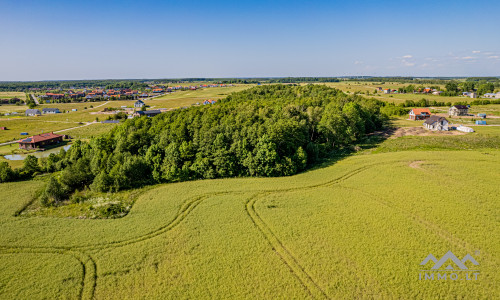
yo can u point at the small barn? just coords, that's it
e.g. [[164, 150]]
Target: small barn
[[419, 114], [458, 110], [482, 116], [436, 123], [480, 122]]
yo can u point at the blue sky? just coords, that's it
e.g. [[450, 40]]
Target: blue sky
[[42, 40]]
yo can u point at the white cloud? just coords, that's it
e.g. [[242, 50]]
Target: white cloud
[[468, 57], [494, 57], [476, 51], [358, 62], [407, 56]]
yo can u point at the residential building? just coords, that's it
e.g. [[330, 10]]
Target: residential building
[[436, 123], [32, 112], [37, 141], [50, 110], [139, 104], [458, 110], [147, 113], [419, 114]]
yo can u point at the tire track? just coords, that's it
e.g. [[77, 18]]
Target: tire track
[[311, 286], [290, 261], [89, 267]]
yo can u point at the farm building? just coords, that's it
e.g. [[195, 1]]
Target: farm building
[[482, 116], [32, 112], [419, 114], [37, 141], [3, 128], [436, 123], [148, 113], [50, 111], [458, 110], [473, 95], [490, 95], [464, 129], [139, 104], [387, 91], [480, 122]]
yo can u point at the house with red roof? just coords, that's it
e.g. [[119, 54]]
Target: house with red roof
[[419, 114], [38, 141]]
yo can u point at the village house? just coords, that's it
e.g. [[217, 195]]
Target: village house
[[458, 110], [436, 123], [50, 111], [37, 141], [147, 113], [54, 96], [473, 95], [419, 114], [139, 104], [387, 91], [32, 112]]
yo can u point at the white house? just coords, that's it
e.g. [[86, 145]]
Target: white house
[[139, 104], [32, 112], [436, 123], [458, 110]]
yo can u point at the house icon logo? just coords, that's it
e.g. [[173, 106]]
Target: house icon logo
[[449, 256], [449, 267]]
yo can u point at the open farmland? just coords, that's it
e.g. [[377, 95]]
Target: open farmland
[[356, 228], [10, 95], [86, 112]]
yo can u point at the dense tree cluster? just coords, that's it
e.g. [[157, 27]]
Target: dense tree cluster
[[271, 130]]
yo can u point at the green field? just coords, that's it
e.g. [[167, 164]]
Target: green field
[[355, 228], [86, 113]]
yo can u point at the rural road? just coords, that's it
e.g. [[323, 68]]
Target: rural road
[[62, 130], [35, 99]]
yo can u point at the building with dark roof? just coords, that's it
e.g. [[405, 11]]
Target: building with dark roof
[[148, 113], [436, 123], [139, 104], [50, 110], [458, 110], [32, 112]]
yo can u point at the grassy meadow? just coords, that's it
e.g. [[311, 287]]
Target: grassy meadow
[[354, 228]]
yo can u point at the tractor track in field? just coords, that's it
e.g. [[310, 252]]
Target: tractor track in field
[[88, 264], [307, 281]]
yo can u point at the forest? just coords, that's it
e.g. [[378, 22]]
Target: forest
[[273, 130]]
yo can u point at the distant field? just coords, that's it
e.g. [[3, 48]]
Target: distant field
[[9, 95], [363, 87], [90, 131]]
